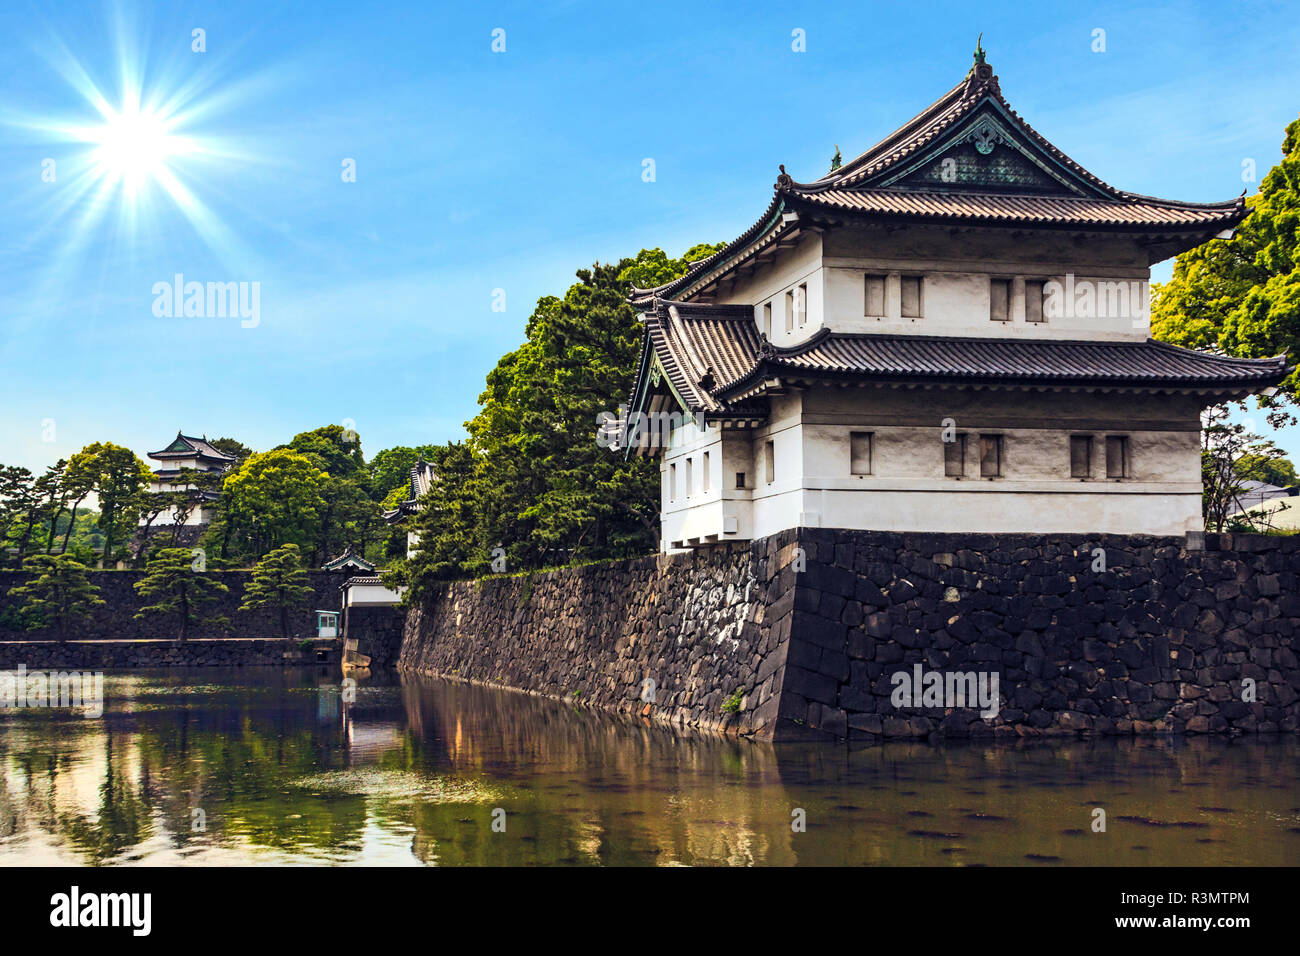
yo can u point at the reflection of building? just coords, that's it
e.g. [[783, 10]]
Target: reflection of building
[[187, 454], [948, 333]]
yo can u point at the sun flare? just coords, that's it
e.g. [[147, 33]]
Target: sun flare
[[134, 146], [136, 153]]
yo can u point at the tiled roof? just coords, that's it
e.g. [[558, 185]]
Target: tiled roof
[[994, 207], [876, 186], [718, 364], [360, 580], [348, 560], [421, 478], [702, 344], [1011, 361], [186, 446]]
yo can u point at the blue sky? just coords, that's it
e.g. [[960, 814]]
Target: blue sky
[[478, 171]]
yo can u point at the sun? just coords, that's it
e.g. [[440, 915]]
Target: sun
[[133, 146], [134, 153]]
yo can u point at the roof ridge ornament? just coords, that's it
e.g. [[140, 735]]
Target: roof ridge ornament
[[783, 181], [981, 77]]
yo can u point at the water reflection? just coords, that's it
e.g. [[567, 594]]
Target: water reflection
[[278, 767]]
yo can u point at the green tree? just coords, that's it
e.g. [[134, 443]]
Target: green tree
[[120, 482], [1242, 295], [59, 594], [230, 446], [448, 524], [390, 469], [273, 498], [172, 578], [532, 478], [336, 450], [279, 582], [79, 481], [18, 501], [1271, 469]]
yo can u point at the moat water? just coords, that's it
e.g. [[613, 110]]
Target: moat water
[[204, 767]]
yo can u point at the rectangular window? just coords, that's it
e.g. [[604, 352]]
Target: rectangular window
[[801, 305], [1000, 300], [954, 457], [690, 476], [1034, 302], [874, 303], [789, 311], [704, 473], [1080, 456], [769, 461], [672, 482], [911, 294], [767, 319], [740, 479], [990, 456], [1117, 461], [860, 453]]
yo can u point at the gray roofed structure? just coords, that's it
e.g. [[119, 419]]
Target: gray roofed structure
[[938, 168], [187, 446], [716, 362]]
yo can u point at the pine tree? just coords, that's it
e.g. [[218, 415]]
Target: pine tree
[[180, 588], [60, 594], [279, 581]]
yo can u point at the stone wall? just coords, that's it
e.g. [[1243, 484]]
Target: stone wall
[[115, 620], [667, 638], [811, 627], [105, 655], [378, 631]]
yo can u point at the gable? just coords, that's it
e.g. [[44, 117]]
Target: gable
[[985, 153], [965, 167]]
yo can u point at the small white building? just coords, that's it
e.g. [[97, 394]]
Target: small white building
[[948, 333], [186, 453]]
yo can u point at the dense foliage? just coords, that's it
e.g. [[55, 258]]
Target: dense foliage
[[179, 588], [1242, 295], [531, 487], [279, 582], [58, 594]]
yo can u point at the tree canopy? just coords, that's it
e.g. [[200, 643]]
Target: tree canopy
[[531, 487], [179, 589], [1242, 295], [279, 582], [59, 593]]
